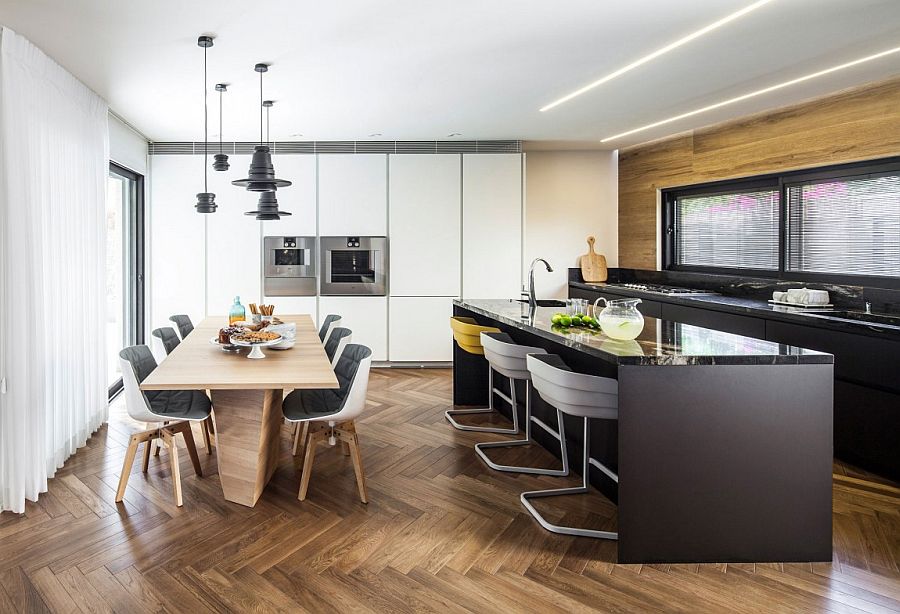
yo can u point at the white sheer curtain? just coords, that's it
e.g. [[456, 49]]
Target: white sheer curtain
[[53, 169]]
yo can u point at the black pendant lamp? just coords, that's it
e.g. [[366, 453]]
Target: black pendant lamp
[[262, 174], [206, 200], [220, 160]]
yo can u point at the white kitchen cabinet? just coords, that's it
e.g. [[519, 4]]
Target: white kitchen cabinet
[[492, 226], [177, 240], [299, 198], [233, 250], [353, 195], [420, 329], [366, 316], [294, 305], [424, 224]]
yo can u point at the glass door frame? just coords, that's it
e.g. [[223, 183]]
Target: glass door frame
[[135, 235]]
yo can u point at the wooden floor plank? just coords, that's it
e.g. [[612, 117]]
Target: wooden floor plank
[[441, 533]]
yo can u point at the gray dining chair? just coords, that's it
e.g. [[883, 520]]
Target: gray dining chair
[[172, 411], [184, 324], [328, 415], [331, 322], [336, 343], [168, 336]]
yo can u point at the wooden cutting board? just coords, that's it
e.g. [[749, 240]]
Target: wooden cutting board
[[593, 265]]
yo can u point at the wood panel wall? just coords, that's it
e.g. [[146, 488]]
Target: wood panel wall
[[854, 125]]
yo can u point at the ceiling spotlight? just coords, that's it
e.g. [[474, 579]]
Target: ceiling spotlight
[[375, 134], [765, 90], [657, 53], [452, 134]]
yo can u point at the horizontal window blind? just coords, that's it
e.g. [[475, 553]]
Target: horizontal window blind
[[849, 227], [737, 230]]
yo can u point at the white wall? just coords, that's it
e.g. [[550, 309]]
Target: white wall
[[568, 196], [126, 147]]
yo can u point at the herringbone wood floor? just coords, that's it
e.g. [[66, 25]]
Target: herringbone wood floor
[[441, 533]]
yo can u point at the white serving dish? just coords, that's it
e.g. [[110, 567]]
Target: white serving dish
[[803, 305]]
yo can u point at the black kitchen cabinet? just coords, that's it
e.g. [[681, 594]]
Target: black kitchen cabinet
[[858, 358], [717, 320]]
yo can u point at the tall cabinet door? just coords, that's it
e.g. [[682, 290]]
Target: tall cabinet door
[[177, 240], [492, 225], [299, 198], [424, 216], [353, 195], [233, 242]]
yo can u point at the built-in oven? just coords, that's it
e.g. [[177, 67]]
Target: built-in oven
[[354, 265], [289, 266]]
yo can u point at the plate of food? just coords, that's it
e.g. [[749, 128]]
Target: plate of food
[[256, 340], [223, 339]]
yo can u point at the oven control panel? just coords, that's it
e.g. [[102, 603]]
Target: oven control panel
[[352, 241]]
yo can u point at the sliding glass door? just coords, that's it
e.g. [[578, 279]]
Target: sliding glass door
[[124, 267]]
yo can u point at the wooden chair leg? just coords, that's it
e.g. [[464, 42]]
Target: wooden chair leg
[[148, 445], [188, 433], [300, 435], [205, 427], [312, 441], [133, 444], [169, 438], [351, 440]]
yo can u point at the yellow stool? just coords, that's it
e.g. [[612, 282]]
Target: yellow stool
[[467, 333]]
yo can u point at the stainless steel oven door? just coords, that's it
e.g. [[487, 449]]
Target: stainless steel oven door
[[354, 265], [289, 257]]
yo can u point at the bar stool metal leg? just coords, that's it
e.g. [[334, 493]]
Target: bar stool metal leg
[[559, 435], [578, 490], [486, 410]]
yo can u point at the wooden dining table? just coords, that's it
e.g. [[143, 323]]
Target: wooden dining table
[[246, 396]]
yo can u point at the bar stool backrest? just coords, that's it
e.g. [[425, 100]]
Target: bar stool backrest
[[506, 356], [466, 332], [576, 394], [169, 338]]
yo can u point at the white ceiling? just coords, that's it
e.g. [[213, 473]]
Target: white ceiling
[[409, 69]]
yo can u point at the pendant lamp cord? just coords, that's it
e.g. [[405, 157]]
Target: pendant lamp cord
[[260, 110], [268, 129], [205, 125], [220, 121]]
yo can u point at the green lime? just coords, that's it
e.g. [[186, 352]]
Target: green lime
[[565, 321], [576, 321], [556, 318]]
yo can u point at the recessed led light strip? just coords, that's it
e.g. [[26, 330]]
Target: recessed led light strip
[[765, 90], [657, 53]]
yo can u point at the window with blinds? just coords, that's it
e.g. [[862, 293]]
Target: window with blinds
[[737, 230], [846, 227]]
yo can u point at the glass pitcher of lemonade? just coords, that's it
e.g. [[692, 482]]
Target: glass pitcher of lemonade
[[620, 319]]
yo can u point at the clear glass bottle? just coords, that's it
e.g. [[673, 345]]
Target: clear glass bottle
[[237, 313]]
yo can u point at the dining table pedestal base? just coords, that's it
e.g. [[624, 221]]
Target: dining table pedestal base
[[247, 425]]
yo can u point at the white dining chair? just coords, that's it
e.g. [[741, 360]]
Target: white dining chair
[[329, 415], [339, 339], [172, 411], [330, 322]]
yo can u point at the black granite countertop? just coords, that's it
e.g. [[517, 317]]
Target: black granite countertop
[[662, 342], [758, 308]]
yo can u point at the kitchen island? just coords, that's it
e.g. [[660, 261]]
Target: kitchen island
[[723, 446]]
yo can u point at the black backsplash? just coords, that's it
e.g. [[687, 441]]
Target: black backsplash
[[883, 300]]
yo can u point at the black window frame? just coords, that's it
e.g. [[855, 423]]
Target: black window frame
[[780, 181], [138, 254]]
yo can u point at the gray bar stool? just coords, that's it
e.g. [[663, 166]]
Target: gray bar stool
[[575, 394], [509, 359]]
